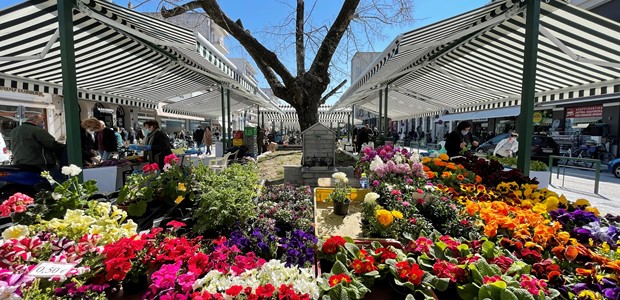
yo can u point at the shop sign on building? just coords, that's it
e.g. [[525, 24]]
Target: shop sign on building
[[594, 111]]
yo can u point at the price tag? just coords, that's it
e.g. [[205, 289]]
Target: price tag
[[48, 269]]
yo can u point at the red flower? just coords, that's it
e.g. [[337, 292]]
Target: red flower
[[117, 269], [502, 262], [488, 279], [332, 244], [444, 269], [198, 263], [339, 278], [385, 254], [411, 273], [171, 158], [234, 290], [265, 290], [176, 224]]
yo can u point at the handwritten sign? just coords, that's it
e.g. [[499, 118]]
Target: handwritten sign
[[48, 269]]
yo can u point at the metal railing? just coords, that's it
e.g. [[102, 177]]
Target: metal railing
[[597, 169]]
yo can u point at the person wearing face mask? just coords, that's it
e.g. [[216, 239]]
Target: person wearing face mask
[[507, 147], [157, 143], [460, 140], [35, 148]]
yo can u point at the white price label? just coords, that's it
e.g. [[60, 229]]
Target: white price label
[[48, 269]]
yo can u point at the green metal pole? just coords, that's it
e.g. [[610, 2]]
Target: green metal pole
[[379, 123], [528, 86], [228, 141], [69, 82], [222, 92], [385, 112]]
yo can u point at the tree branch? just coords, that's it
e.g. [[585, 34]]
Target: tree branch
[[266, 60], [181, 9], [332, 92], [332, 39], [299, 38]]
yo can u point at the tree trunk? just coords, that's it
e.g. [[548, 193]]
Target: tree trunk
[[308, 114]]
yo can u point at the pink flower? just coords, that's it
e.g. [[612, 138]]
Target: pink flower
[[405, 203], [176, 224], [375, 183], [170, 159], [396, 192], [186, 281]]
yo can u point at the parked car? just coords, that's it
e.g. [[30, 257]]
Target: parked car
[[614, 167], [4, 152], [542, 146]]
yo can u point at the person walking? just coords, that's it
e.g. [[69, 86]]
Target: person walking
[[508, 146], [198, 135], [157, 142], [131, 136], [460, 140], [207, 139], [33, 147], [363, 136]]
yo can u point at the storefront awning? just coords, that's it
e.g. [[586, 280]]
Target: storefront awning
[[485, 114], [122, 56], [474, 61]]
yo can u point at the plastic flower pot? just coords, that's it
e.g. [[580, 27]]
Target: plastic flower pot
[[341, 209]]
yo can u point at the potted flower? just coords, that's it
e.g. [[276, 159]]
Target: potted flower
[[341, 194]]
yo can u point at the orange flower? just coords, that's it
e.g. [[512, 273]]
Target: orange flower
[[451, 166], [430, 175], [584, 272], [480, 187], [614, 265], [460, 177], [446, 175], [425, 168], [571, 253], [490, 230], [444, 156], [558, 251]]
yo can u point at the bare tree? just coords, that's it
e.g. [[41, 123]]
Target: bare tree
[[308, 88]]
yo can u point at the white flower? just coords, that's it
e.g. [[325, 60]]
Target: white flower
[[376, 163], [56, 196], [371, 198], [16, 232], [340, 176], [167, 167], [71, 170]]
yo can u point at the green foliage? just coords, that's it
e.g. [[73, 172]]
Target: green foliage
[[226, 197]]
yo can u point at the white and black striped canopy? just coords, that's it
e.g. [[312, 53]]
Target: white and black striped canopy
[[474, 61], [122, 56], [288, 117]]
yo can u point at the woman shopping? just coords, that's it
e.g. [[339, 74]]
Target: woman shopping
[[157, 143], [207, 139]]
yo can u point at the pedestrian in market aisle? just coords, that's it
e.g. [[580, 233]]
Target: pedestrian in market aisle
[[460, 141], [131, 136], [157, 142], [207, 139], [140, 135], [35, 148], [105, 141], [507, 147], [198, 135]]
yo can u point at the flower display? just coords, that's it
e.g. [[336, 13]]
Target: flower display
[[17, 203]]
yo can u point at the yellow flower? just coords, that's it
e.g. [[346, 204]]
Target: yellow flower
[[513, 186], [96, 229], [539, 208], [593, 209], [178, 199], [181, 187], [384, 217], [444, 156], [503, 188], [552, 203], [563, 202], [589, 295], [15, 232], [605, 247], [397, 214], [582, 202]]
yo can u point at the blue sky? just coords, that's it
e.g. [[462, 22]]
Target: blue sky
[[256, 15]]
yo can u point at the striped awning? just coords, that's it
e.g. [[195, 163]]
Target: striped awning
[[474, 61], [289, 118], [122, 56]]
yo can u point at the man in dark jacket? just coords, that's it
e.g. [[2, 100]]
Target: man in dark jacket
[[158, 142], [34, 147], [198, 135]]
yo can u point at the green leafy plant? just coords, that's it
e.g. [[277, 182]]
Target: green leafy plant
[[226, 197], [342, 190], [536, 165], [70, 194]]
